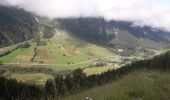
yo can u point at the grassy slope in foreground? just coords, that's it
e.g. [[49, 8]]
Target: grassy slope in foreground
[[145, 85]]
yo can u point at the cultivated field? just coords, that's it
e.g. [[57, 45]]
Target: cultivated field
[[60, 49], [66, 49]]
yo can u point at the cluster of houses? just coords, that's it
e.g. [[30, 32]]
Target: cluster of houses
[[112, 61]]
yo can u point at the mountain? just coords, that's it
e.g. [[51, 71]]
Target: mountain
[[16, 25], [116, 33]]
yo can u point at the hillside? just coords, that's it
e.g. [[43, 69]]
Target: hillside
[[16, 25], [119, 34], [139, 85], [62, 49], [142, 80]]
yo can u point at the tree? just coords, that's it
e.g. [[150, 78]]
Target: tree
[[1, 62], [80, 78], [50, 88]]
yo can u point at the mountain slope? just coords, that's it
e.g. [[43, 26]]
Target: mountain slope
[[115, 33], [16, 25]]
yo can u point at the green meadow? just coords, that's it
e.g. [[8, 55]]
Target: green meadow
[[11, 57]]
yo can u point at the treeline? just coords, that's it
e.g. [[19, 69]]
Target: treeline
[[24, 70], [77, 81]]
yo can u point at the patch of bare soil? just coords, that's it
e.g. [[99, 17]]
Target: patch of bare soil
[[44, 57], [89, 54], [69, 50], [23, 59]]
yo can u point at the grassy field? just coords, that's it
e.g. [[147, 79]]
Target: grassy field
[[19, 55], [145, 85], [63, 49], [32, 78], [60, 49], [98, 70]]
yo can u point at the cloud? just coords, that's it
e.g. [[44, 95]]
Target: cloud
[[140, 12]]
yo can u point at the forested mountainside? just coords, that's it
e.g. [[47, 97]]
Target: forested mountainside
[[116, 33], [16, 25], [89, 28]]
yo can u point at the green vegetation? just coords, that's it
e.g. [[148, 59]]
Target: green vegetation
[[117, 34], [20, 54], [155, 72], [57, 65], [30, 70], [139, 85], [11, 89], [48, 32], [61, 49], [31, 78], [98, 70], [66, 49], [65, 85], [92, 29], [67, 67], [16, 26]]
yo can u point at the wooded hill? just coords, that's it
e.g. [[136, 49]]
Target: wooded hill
[[118, 34], [16, 25]]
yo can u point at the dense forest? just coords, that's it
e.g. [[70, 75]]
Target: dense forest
[[77, 81], [16, 25]]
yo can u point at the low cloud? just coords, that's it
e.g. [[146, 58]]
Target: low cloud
[[140, 12]]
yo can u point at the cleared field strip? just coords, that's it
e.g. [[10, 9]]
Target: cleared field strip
[[98, 70]]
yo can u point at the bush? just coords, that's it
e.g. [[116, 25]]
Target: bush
[[1, 62], [42, 43], [48, 32]]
